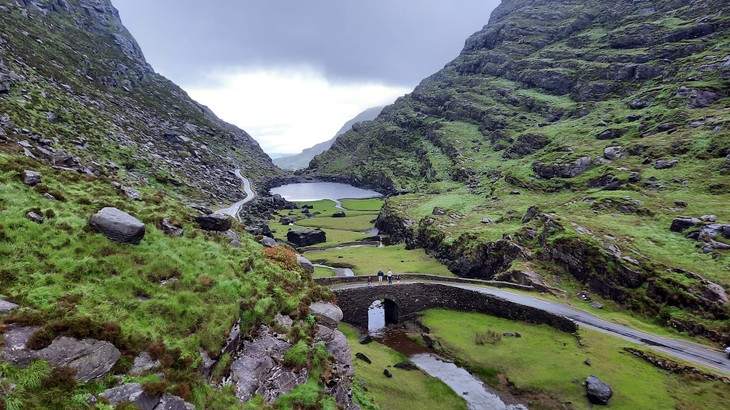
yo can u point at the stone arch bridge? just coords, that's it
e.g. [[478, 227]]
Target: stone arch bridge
[[405, 300]]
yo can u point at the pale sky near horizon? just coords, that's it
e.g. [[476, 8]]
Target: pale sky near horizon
[[291, 73]]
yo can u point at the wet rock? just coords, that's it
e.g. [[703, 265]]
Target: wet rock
[[406, 365], [306, 237], [34, 217], [597, 391], [31, 178], [143, 363], [7, 307], [215, 222], [339, 214], [531, 213], [682, 224], [612, 153], [363, 358], [268, 242], [118, 226], [562, 170], [305, 263], [664, 164], [133, 393], [387, 373], [170, 402], [326, 313], [172, 228], [92, 359]]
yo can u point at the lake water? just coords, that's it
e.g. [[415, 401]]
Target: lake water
[[315, 191]]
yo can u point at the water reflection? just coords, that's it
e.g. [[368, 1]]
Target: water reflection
[[315, 191], [376, 319]]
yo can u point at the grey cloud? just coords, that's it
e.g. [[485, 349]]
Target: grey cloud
[[396, 42]]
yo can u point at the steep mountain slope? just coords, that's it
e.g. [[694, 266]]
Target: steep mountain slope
[[77, 92], [113, 296], [564, 141], [302, 159]]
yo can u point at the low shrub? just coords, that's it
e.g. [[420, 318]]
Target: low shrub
[[489, 337]]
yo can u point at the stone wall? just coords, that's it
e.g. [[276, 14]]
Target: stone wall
[[412, 298], [331, 281]]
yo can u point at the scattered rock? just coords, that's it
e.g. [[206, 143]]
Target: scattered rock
[[170, 402], [305, 263], [31, 178], [285, 220], [363, 358], [638, 104], [612, 153], [215, 222], [32, 216], [664, 164], [406, 365], [587, 362], [610, 134], [597, 305], [172, 228], [339, 214], [584, 296], [562, 170], [306, 237], [364, 340], [92, 359], [118, 226], [326, 313], [387, 373], [515, 193], [683, 204], [708, 218], [634, 177], [143, 363], [597, 391], [133, 393], [682, 224], [487, 221], [530, 214], [268, 242], [14, 351], [438, 211], [7, 307], [131, 193]]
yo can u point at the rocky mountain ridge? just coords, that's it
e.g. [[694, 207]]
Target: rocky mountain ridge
[[77, 92]]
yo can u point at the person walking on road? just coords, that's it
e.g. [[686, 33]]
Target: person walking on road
[[397, 279], [370, 281], [390, 277], [380, 276]]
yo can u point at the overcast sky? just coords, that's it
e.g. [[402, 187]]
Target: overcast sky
[[291, 72]]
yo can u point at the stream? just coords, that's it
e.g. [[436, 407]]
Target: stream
[[477, 395]]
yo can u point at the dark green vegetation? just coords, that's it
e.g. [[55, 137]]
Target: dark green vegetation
[[539, 367], [579, 109]]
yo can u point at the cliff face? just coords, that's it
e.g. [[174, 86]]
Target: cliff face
[[77, 91], [566, 70]]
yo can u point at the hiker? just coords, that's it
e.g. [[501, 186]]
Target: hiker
[[380, 277], [370, 281], [397, 279], [390, 277]]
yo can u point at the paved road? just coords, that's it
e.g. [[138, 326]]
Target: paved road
[[235, 209], [687, 351]]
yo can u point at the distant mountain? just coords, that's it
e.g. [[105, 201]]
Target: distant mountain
[[302, 159]]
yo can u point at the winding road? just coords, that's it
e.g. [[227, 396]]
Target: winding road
[[690, 352], [235, 209]]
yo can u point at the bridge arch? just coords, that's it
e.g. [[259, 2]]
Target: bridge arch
[[409, 299]]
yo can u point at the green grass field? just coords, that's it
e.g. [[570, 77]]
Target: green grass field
[[367, 260], [545, 360], [406, 390]]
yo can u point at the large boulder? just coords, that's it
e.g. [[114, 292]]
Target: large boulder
[[7, 307], [133, 393], [31, 178], [597, 391], [326, 313], [215, 222], [306, 237], [118, 225], [562, 169], [92, 359], [682, 224]]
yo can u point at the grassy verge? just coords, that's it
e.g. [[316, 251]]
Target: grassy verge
[[406, 390], [545, 361], [367, 260]]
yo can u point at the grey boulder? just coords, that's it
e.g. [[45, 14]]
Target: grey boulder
[[215, 222], [118, 225], [172, 228], [7, 307], [91, 358], [305, 263], [31, 178], [306, 237], [170, 402], [143, 363], [326, 313], [597, 391], [133, 393]]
